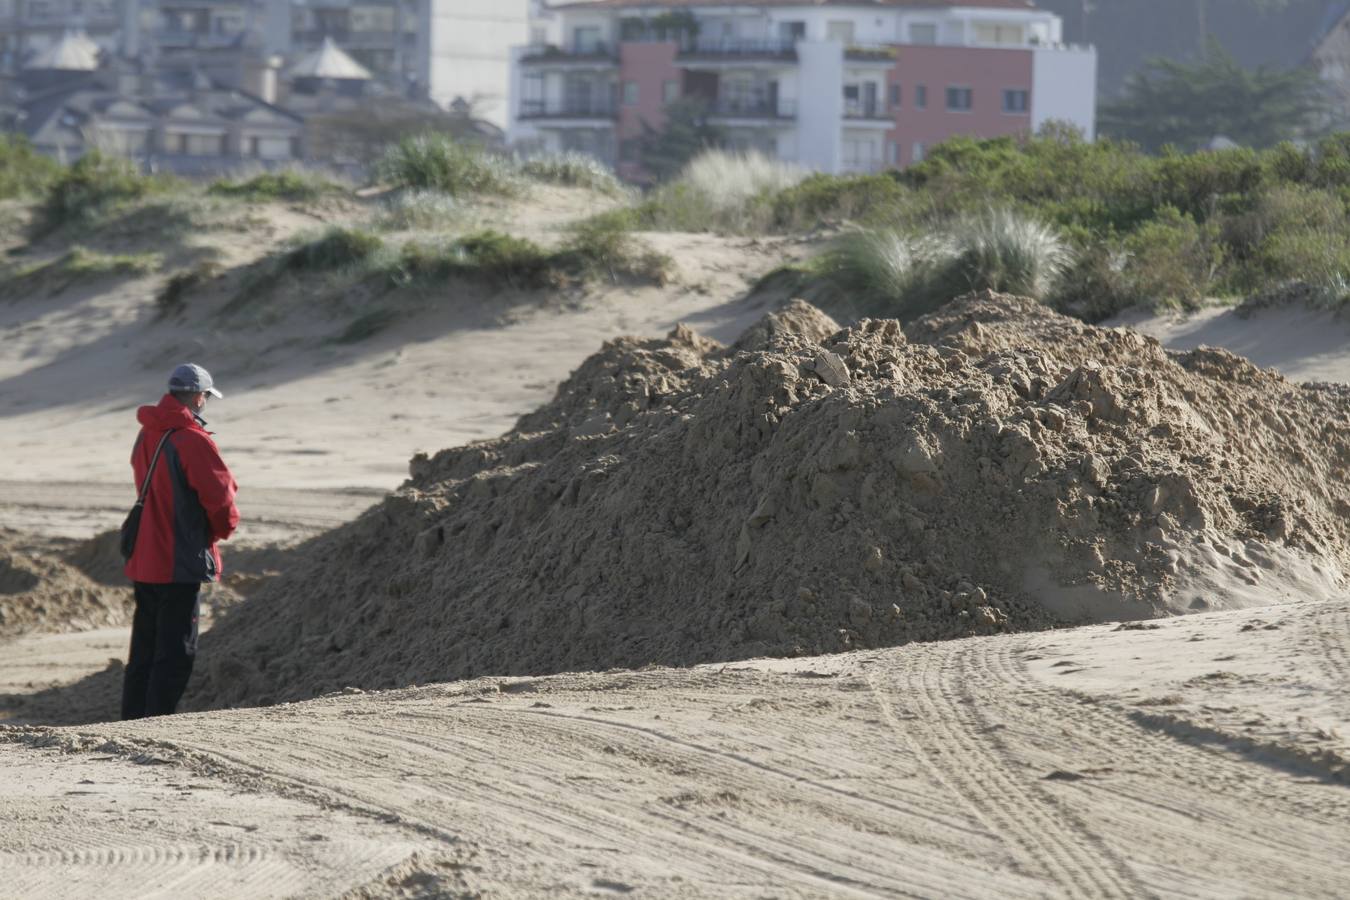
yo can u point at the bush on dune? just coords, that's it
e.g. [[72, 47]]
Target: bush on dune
[[94, 185], [288, 184], [573, 170], [336, 248], [23, 171]]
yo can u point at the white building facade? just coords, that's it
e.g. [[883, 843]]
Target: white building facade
[[835, 86]]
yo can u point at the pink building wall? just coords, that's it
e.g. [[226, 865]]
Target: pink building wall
[[649, 66], [986, 71]]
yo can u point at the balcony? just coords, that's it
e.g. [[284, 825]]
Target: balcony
[[577, 57], [175, 39], [355, 39], [736, 51], [864, 111], [881, 54], [762, 109], [567, 109]]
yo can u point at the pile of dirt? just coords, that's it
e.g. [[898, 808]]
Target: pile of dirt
[[811, 490], [50, 587]]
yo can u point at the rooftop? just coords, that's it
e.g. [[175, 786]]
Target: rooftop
[[330, 61]]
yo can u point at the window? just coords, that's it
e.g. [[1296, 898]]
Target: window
[[578, 94], [920, 96], [916, 153], [538, 36], [670, 91], [998, 34], [839, 31], [923, 33], [892, 152], [586, 39], [269, 147], [959, 99], [1016, 101], [127, 142], [532, 86], [895, 96], [792, 31], [630, 93]]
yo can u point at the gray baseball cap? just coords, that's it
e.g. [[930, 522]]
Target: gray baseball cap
[[191, 377]]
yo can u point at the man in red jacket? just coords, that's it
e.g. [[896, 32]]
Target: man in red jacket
[[189, 506]]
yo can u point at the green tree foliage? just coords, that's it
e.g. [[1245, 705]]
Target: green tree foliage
[[687, 133], [1187, 104]]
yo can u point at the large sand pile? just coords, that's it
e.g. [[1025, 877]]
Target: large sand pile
[[813, 489], [46, 588]]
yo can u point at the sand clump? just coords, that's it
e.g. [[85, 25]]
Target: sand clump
[[46, 588], [815, 489]]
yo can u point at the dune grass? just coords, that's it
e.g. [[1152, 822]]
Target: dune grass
[[439, 163], [893, 272], [572, 170], [292, 185]]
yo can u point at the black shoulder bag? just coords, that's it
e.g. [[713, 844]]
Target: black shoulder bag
[[132, 523]]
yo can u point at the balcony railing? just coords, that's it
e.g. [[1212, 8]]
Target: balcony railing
[[203, 40], [861, 109], [567, 109], [355, 39], [784, 50], [726, 108], [881, 53], [588, 53]]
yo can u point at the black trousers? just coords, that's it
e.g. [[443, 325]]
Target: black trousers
[[163, 647]]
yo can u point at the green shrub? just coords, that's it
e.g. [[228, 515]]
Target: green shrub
[[573, 170], [1095, 285], [487, 255], [521, 264], [440, 163], [81, 262], [92, 186], [23, 171], [287, 184], [336, 248], [596, 248], [1172, 260], [822, 198]]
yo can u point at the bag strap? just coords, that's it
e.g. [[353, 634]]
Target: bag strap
[[145, 486]]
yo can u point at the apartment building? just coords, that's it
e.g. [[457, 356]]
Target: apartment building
[[451, 51], [835, 85]]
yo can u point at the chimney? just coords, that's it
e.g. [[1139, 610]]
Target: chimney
[[260, 77]]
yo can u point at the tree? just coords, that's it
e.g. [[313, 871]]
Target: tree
[[687, 133], [1188, 104]]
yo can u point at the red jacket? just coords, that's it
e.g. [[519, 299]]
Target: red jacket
[[190, 504]]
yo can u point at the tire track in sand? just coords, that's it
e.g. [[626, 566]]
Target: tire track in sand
[[960, 751]]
